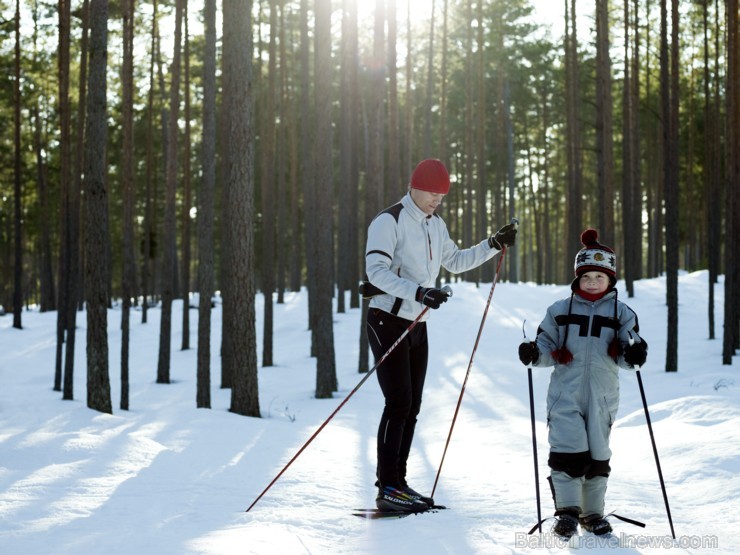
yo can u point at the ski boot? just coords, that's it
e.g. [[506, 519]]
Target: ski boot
[[596, 524], [416, 495], [395, 499], [566, 525]]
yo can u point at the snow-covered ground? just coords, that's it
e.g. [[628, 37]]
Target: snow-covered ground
[[166, 477]]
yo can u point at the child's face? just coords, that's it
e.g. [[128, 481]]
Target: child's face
[[594, 282]]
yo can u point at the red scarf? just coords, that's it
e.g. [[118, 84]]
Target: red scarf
[[591, 296]]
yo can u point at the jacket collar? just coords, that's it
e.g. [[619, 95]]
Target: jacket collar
[[414, 211]]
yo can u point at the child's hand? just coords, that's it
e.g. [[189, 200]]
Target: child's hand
[[528, 352], [636, 354]]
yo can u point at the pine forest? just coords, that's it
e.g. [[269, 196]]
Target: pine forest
[[158, 150]]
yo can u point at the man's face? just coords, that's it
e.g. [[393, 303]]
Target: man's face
[[426, 201]]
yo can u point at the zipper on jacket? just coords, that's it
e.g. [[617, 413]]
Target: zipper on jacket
[[429, 238]]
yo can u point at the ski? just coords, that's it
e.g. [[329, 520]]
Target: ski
[[375, 514]]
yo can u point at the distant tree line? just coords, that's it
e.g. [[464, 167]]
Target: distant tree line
[[149, 155]]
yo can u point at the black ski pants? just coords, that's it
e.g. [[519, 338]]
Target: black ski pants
[[401, 378]]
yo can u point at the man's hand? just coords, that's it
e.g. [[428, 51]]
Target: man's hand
[[431, 297], [504, 237]]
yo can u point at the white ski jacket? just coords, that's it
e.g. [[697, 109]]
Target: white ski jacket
[[405, 250]]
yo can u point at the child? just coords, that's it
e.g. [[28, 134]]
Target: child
[[586, 337]]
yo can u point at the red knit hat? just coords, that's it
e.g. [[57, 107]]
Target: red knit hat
[[595, 257], [431, 176]]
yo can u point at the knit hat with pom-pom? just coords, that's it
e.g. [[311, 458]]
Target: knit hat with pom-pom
[[595, 257]]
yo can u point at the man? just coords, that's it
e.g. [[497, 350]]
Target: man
[[407, 244]]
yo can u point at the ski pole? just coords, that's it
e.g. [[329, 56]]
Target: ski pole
[[534, 441], [470, 364], [652, 440], [447, 289]]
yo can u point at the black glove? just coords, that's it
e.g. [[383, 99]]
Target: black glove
[[528, 352], [504, 237], [431, 297], [636, 354]]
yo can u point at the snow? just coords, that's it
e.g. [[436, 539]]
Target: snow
[[166, 477]]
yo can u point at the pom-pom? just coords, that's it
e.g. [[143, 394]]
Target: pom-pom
[[589, 237], [615, 349], [562, 355]]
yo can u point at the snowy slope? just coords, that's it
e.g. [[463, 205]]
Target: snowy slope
[[166, 477]]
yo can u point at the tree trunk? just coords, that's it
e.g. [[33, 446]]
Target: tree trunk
[[347, 244], [96, 214], [170, 244], [481, 159], [64, 187], [574, 214], [731, 336], [238, 49], [468, 137], [604, 126], [282, 130], [205, 209], [395, 182], [710, 142], [669, 94], [629, 233], [635, 251], [187, 194], [267, 147], [296, 238], [223, 122], [128, 183], [326, 380], [18, 265], [149, 232], [75, 255], [308, 172]]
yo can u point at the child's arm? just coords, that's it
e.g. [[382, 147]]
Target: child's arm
[[548, 337], [634, 347]]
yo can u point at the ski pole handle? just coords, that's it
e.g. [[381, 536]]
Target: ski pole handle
[[632, 342]]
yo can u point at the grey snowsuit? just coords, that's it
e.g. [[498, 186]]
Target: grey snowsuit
[[583, 396]]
